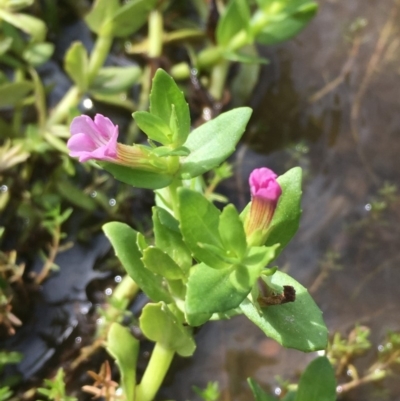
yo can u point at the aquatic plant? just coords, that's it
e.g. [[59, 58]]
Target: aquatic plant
[[202, 263]]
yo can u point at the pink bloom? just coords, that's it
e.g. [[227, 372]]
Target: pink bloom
[[93, 139], [265, 193]]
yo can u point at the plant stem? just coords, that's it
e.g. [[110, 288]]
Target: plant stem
[[40, 98], [173, 196], [218, 78], [70, 99], [154, 374], [98, 55], [156, 29], [127, 288], [154, 51]]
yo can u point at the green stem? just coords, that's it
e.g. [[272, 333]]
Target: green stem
[[154, 374], [98, 55], [218, 78], [127, 288], [70, 99], [40, 98], [173, 196], [156, 29]]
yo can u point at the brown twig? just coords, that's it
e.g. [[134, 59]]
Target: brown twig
[[372, 67], [346, 69], [53, 251]]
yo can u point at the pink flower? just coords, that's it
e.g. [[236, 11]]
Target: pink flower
[[93, 139], [97, 139], [265, 193]]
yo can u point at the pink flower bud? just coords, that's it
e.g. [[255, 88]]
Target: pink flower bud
[[265, 193]]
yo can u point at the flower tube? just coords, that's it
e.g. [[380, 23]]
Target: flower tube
[[265, 193]]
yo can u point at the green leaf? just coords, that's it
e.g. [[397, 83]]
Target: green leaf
[[37, 54], [14, 92], [128, 18], [101, 12], [212, 290], [5, 44], [221, 290], [161, 263], [15, 5], [160, 325], [213, 142], [286, 22], [168, 237], [245, 58], [123, 239], [232, 232], [31, 25], [163, 151], [154, 127], [165, 99], [258, 393], [287, 214], [77, 65], [137, 178], [297, 324], [55, 142], [235, 19], [119, 100], [114, 80], [199, 220], [317, 383], [74, 195], [124, 348]]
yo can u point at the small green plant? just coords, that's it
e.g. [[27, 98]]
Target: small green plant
[[54, 389]]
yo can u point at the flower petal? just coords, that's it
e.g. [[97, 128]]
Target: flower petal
[[104, 126], [84, 125], [80, 143]]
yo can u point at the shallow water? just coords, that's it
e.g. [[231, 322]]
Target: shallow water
[[347, 141]]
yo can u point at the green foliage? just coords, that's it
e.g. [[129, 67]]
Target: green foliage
[[128, 18], [199, 221], [12, 93], [297, 324], [7, 357], [258, 393], [5, 393], [30, 25], [77, 65], [55, 389], [154, 127], [109, 18], [123, 239], [277, 21], [168, 237], [213, 142], [168, 103], [210, 393], [125, 349], [235, 19], [114, 80], [137, 177], [317, 383], [161, 325]]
